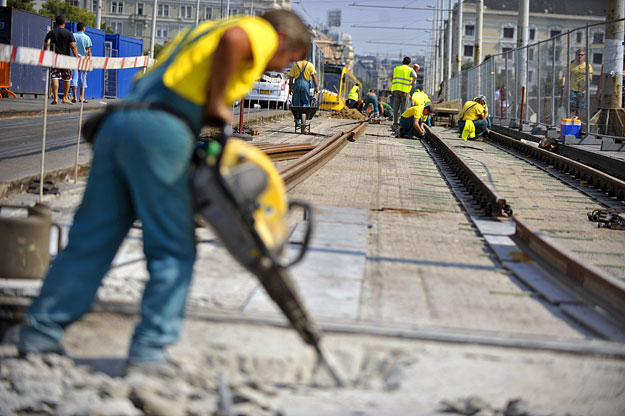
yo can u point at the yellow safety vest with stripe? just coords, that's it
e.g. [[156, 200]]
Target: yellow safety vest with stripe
[[402, 81], [353, 93]]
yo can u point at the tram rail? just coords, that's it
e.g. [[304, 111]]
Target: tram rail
[[597, 286]]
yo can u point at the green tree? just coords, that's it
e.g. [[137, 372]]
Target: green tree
[[22, 5], [53, 8]]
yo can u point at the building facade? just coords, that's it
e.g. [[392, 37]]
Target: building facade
[[134, 17]]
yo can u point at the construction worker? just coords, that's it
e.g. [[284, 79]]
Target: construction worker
[[402, 79], [421, 98], [411, 121], [141, 170], [353, 97], [372, 100], [302, 73], [474, 111]]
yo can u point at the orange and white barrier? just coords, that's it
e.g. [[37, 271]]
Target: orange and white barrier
[[38, 57]]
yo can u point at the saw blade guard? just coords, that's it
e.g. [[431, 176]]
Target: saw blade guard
[[259, 190]]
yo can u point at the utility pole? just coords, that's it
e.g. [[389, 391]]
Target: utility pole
[[477, 50], [228, 8], [153, 36], [449, 23], [197, 12], [98, 15], [477, 47], [459, 38], [522, 37], [612, 116]]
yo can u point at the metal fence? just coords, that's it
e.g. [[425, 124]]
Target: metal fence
[[110, 75], [556, 86]]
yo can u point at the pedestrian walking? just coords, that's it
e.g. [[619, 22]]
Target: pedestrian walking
[[401, 83], [79, 78], [61, 41], [141, 170]]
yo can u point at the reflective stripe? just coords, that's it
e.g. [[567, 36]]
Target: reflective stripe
[[402, 81]]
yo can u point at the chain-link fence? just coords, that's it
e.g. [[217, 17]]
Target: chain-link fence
[[559, 83]]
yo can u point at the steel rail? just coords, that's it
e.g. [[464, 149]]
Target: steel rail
[[602, 288], [491, 203], [613, 187], [281, 152], [607, 288], [301, 168]]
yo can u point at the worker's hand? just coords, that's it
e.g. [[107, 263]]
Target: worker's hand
[[217, 115], [316, 91]]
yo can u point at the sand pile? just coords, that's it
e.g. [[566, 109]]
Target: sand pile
[[348, 113]]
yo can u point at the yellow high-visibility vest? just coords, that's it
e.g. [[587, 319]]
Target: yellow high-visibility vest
[[353, 93], [402, 81]]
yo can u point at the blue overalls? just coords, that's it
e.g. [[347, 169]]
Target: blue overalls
[[301, 89]]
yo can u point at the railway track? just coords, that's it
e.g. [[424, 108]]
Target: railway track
[[547, 198]]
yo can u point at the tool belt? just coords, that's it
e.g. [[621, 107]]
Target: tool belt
[[91, 127]]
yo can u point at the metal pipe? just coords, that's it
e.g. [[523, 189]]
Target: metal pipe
[[516, 84], [507, 90], [153, 35], [522, 103], [45, 128], [538, 104], [568, 74], [98, 15], [197, 12], [82, 103], [587, 75], [459, 38], [448, 69], [553, 82], [527, 71]]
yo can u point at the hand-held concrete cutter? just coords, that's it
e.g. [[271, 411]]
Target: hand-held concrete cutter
[[239, 192]]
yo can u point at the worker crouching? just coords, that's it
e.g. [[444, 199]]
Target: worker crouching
[[411, 122], [472, 120]]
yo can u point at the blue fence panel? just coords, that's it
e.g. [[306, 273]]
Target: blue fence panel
[[21, 28], [125, 46]]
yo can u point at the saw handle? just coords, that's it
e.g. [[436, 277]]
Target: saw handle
[[308, 214]]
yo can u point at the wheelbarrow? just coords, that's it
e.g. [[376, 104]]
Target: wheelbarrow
[[302, 116]]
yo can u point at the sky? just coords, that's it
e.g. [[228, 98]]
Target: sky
[[385, 41]]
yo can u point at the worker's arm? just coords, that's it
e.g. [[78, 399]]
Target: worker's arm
[[417, 125], [290, 85], [233, 49], [72, 45], [314, 80], [89, 51]]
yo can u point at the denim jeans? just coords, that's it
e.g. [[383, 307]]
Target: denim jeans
[[140, 169]]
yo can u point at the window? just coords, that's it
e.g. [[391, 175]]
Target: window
[[138, 30], [468, 50], [597, 37], [163, 10], [117, 27], [140, 9], [532, 34], [234, 12], [530, 54], [530, 76], [553, 33], [469, 30], [508, 32], [74, 3], [597, 58], [186, 12], [208, 13], [579, 36], [162, 31], [117, 7], [94, 6], [504, 50]]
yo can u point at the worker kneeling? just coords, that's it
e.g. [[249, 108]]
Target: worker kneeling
[[476, 112], [411, 122]]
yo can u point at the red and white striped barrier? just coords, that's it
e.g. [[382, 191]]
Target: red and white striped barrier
[[38, 57]]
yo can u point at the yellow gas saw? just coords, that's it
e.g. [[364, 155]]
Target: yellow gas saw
[[238, 191]]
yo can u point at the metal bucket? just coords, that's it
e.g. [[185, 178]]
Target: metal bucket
[[25, 242]]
